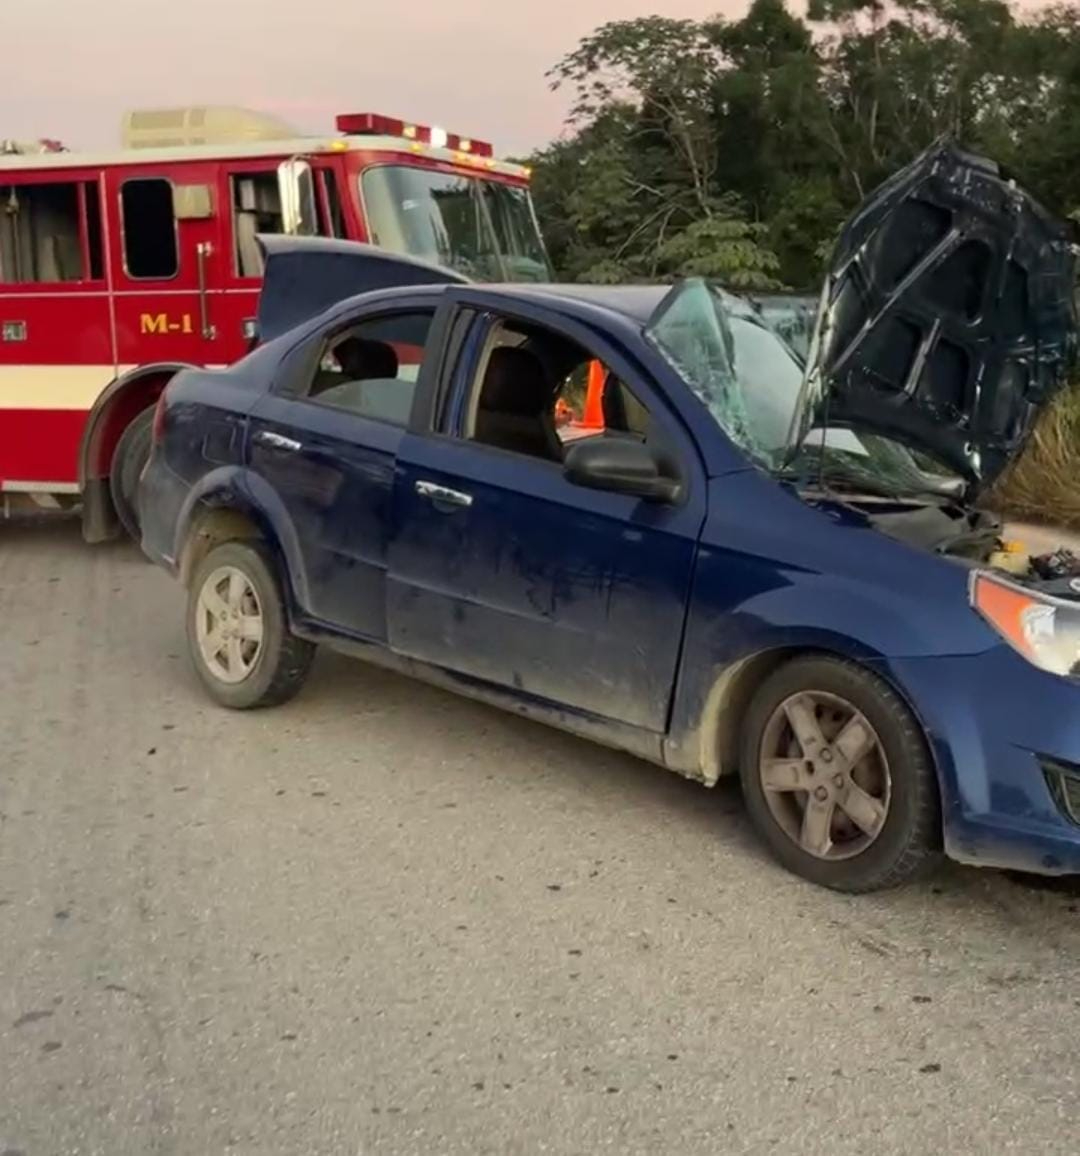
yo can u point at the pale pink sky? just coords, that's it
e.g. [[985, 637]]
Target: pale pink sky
[[72, 67]]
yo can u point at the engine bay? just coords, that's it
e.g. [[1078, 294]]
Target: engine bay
[[974, 537]]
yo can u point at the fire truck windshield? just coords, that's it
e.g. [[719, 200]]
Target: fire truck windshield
[[482, 228]]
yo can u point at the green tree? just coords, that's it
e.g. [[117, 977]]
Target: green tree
[[637, 187], [739, 147]]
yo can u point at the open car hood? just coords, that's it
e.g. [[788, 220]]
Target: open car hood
[[948, 317], [305, 276]]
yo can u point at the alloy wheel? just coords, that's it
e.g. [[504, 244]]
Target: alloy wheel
[[229, 624], [824, 775]]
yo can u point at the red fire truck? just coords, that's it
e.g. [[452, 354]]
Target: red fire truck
[[116, 270]]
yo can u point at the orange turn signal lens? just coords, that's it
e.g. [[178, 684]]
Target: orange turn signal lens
[[1045, 630]]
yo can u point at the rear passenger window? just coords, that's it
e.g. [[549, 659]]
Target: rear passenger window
[[149, 221], [371, 368]]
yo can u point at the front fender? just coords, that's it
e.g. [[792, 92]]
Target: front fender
[[857, 619], [780, 613]]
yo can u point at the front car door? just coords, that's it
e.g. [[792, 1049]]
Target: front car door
[[323, 444], [505, 572], [163, 235]]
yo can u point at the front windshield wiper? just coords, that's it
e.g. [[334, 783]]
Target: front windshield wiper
[[820, 472], [823, 481]]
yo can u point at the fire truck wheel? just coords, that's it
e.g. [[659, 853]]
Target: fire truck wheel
[[132, 452], [238, 634]]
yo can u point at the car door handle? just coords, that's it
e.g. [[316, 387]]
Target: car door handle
[[266, 437], [441, 496]]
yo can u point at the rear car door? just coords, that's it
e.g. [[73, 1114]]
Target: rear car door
[[504, 571], [325, 440]]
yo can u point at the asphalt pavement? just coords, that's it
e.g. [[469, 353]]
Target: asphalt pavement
[[383, 919]]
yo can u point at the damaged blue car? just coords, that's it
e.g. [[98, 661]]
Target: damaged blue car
[[758, 565]]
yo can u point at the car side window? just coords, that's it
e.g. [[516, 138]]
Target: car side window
[[536, 391], [371, 367]]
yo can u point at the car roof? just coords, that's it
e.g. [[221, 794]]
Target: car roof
[[636, 303], [632, 305]]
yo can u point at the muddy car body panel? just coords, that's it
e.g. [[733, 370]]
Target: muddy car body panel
[[645, 622]]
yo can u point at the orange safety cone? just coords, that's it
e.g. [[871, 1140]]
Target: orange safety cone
[[594, 397]]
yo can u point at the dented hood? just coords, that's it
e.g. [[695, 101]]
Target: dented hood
[[948, 317], [305, 276]]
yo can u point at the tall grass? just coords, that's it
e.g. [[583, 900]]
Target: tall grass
[[1043, 485]]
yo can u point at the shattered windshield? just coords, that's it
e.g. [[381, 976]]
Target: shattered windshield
[[791, 316], [747, 377], [751, 382]]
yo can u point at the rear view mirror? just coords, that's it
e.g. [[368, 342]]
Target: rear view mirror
[[621, 466], [296, 184]]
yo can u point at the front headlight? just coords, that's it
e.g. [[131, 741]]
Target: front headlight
[[1045, 630]]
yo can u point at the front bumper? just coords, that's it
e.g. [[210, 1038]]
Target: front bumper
[[994, 721]]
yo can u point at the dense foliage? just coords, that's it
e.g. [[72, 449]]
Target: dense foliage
[[735, 148]]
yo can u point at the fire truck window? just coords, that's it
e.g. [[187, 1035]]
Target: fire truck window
[[335, 226], [94, 243], [463, 222], [149, 230], [515, 226], [39, 234], [256, 209], [438, 217]]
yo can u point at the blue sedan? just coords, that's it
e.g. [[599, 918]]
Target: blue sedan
[[758, 566]]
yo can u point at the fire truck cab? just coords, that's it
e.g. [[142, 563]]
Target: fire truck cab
[[117, 270]]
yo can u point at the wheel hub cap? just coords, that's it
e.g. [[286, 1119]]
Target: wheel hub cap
[[824, 775], [229, 624]]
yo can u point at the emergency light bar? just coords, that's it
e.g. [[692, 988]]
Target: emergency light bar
[[375, 124], [18, 148]]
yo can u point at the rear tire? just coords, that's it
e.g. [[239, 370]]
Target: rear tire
[[131, 455], [238, 635], [838, 778]]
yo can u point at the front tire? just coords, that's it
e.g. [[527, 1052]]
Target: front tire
[[131, 455], [237, 630], [838, 778]]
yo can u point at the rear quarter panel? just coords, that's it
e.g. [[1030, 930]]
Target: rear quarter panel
[[202, 448]]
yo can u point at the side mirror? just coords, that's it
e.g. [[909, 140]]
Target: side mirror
[[620, 466], [296, 187]]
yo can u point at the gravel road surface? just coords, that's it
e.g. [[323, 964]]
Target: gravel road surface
[[386, 920]]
